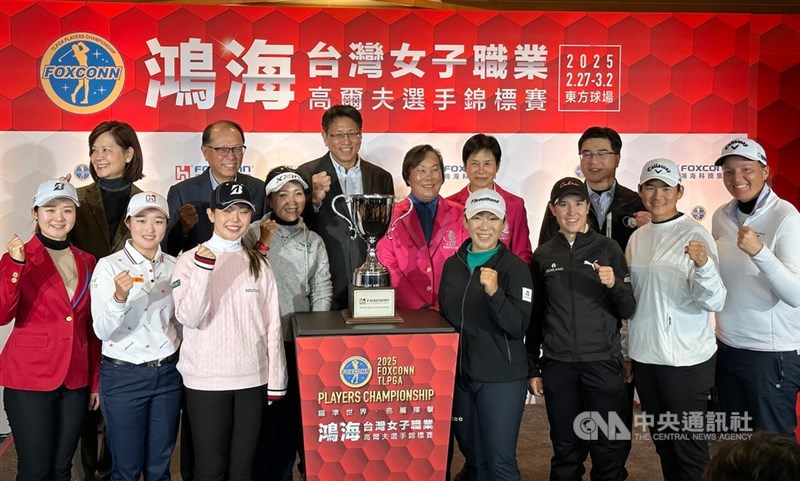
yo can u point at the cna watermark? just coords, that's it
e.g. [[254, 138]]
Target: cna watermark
[[711, 426]]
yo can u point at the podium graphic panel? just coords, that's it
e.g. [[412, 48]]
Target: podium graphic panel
[[376, 407]]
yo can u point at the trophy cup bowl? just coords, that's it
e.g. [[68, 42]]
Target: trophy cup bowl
[[370, 218]]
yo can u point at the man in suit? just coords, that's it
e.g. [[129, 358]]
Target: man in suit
[[223, 148], [615, 210], [341, 171]]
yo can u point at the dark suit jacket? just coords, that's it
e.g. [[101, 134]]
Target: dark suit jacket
[[624, 204], [51, 331], [344, 254], [197, 191], [91, 227]]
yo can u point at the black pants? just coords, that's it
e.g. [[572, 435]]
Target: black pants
[[761, 385], [186, 444], [573, 388], [669, 392], [225, 427], [486, 421], [281, 437], [46, 426]]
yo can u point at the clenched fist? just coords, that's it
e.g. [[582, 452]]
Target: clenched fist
[[696, 250], [205, 252], [489, 280], [748, 241], [268, 228], [188, 216], [320, 185], [16, 249], [606, 274], [123, 283]]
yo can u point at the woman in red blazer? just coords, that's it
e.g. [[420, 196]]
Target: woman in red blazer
[[49, 365]]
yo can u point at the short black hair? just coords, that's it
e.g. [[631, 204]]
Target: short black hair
[[479, 142], [228, 123], [415, 156], [602, 133], [341, 111]]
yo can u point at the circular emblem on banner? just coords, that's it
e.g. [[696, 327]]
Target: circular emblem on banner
[[81, 171], [82, 73], [698, 212], [355, 372]]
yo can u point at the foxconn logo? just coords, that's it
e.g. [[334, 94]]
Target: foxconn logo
[[187, 171], [82, 73]]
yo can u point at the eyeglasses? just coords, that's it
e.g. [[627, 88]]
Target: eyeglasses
[[224, 151], [346, 135], [601, 155]]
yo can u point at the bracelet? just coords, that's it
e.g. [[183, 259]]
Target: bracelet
[[261, 247]]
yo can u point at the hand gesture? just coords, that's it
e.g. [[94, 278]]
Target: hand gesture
[[320, 185], [268, 229], [16, 249], [642, 217], [188, 216], [606, 274], [123, 283], [536, 386], [696, 250], [627, 367], [489, 280], [66, 177], [205, 252], [748, 241]]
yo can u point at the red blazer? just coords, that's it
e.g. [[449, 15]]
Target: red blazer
[[52, 342]]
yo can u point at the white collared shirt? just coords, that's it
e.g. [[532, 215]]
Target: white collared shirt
[[350, 180], [143, 327], [602, 202]]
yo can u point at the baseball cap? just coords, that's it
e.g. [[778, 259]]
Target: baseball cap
[[280, 180], [147, 200], [747, 148], [229, 193], [55, 189], [661, 169], [485, 200], [568, 186]]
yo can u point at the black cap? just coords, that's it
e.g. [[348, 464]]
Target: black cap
[[229, 193], [568, 186]]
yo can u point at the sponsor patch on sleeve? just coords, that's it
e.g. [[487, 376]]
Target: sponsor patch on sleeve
[[527, 294], [176, 283]]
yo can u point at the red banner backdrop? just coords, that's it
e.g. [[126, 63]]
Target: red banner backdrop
[[376, 407]]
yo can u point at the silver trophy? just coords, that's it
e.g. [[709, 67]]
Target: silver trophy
[[371, 294]]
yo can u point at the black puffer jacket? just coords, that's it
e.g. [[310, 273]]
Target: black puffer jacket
[[575, 317], [492, 329]]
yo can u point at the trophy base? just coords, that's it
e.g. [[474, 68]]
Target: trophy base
[[371, 305], [347, 315]]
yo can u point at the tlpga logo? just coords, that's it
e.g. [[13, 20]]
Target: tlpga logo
[[588, 424], [82, 73]]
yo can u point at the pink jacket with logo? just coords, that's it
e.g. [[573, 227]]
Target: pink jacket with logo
[[415, 267], [516, 236]]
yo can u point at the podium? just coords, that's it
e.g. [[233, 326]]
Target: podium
[[376, 399]]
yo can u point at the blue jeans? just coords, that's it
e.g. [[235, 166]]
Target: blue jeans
[[486, 421], [141, 407]]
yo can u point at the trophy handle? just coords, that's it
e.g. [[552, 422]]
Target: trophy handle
[[400, 198], [353, 232]]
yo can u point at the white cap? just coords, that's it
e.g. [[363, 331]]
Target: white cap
[[485, 200], [661, 169], [55, 189], [282, 179], [147, 200], [747, 148]]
